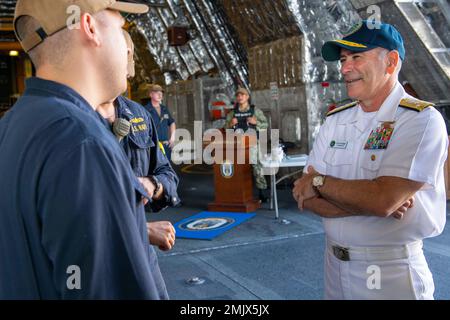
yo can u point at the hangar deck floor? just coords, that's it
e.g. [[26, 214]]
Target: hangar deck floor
[[262, 258]]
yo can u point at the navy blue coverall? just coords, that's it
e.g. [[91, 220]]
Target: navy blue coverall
[[69, 200]]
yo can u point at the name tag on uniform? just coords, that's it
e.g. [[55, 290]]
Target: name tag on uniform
[[166, 116], [138, 124], [379, 138], [339, 144]]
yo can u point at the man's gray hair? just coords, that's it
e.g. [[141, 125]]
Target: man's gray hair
[[383, 53]]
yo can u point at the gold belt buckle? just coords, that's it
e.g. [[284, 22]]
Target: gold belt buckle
[[341, 253]]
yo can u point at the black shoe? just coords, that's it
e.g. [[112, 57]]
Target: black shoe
[[262, 197]]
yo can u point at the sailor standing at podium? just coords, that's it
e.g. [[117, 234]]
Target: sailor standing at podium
[[243, 117]]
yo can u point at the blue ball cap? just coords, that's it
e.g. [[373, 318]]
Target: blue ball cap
[[364, 36]]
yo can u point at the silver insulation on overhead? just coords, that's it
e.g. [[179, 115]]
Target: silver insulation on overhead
[[221, 46], [211, 47], [272, 40], [321, 21], [207, 39], [224, 41], [153, 26]]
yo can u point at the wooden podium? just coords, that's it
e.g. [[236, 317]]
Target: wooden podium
[[234, 182]]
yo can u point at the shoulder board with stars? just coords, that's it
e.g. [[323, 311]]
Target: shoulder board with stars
[[342, 108], [415, 104]]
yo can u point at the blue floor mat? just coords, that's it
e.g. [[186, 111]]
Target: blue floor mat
[[208, 225]]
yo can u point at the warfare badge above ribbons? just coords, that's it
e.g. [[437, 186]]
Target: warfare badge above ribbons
[[379, 138]]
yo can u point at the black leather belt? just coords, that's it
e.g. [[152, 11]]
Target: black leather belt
[[341, 253]]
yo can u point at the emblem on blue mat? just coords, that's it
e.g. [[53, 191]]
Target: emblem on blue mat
[[227, 170], [206, 224]]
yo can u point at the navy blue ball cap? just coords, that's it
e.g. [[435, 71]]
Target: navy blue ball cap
[[363, 36]]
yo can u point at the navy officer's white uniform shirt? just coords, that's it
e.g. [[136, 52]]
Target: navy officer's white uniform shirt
[[416, 151], [69, 205]]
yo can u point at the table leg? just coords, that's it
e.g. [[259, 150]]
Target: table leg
[[275, 198], [271, 192]]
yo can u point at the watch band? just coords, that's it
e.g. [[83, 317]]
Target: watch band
[[157, 184]]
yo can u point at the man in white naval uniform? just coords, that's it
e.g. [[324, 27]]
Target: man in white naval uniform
[[375, 174]]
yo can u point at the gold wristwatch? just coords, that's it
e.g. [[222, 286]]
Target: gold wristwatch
[[318, 182]]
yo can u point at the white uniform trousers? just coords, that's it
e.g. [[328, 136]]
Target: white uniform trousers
[[377, 273]]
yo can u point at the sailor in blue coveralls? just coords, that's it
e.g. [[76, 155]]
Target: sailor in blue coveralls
[[146, 157], [72, 223], [150, 165], [165, 124], [144, 152]]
